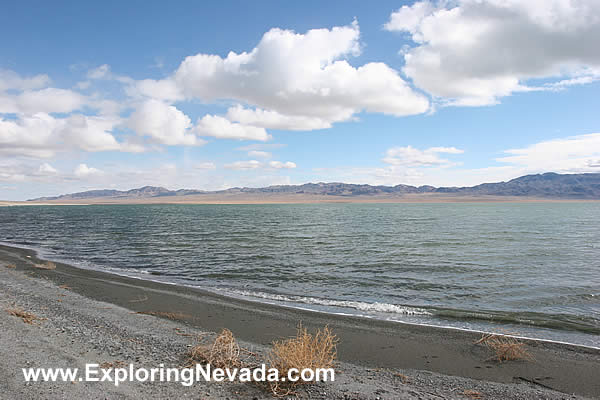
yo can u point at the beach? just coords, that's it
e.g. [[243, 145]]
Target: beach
[[93, 316]]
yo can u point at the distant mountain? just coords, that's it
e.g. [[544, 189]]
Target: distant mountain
[[143, 192], [540, 185], [548, 185]]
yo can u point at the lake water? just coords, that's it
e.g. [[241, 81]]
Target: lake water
[[531, 269]]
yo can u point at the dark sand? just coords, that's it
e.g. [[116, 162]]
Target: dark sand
[[364, 343]]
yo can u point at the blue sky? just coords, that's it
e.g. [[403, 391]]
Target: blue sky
[[210, 96]]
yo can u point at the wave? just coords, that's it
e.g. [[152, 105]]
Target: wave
[[588, 325], [357, 305], [480, 319]]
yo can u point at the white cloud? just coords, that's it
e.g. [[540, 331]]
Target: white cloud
[[83, 171], [100, 72], [275, 120], [244, 165], [473, 52], [104, 72], [47, 169], [30, 136], [567, 155], [11, 80], [49, 100], [259, 154], [575, 154], [295, 81], [42, 135], [410, 157], [222, 128], [90, 133], [165, 90], [164, 123], [409, 18], [282, 165]]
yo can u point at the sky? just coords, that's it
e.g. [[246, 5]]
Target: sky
[[215, 95]]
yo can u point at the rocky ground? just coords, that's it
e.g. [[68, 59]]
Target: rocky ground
[[73, 330]]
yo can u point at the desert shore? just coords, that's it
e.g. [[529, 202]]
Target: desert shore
[[91, 316]]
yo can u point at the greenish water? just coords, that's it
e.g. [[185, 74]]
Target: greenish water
[[526, 268]]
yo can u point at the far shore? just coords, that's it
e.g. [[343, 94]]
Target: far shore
[[297, 199], [378, 359]]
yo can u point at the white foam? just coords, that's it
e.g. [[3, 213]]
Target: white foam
[[357, 305]]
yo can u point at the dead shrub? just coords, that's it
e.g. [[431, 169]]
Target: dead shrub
[[26, 316], [506, 348], [405, 379], [11, 266], [224, 352], [472, 394], [304, 351], [48, 265]]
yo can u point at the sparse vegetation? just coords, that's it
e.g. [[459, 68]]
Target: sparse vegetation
[[472, 394], [506, 348], [48, 265], [303, 351], [26, 316], [405, 379], [224, 352]]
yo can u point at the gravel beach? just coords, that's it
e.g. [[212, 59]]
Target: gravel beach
[[92, 317]]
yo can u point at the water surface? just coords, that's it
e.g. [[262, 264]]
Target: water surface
[[525, 268]]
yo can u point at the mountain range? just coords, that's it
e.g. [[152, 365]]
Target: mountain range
[[548, 185]]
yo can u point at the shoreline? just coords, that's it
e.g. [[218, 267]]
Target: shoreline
[[299, 199], [146, 277], [364, 342]]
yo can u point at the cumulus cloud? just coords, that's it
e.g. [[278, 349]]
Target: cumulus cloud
[[410, 157], [275, 120], [43, 135], [164, 123], [282, 165], [100, 72], [49, 100], [295, 81], [35, 129], [11, 80], [83, 171], [244, 165], [572, 154], [47, 169], [473, 52], [19, 171], [104, 72], [222, 128]]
